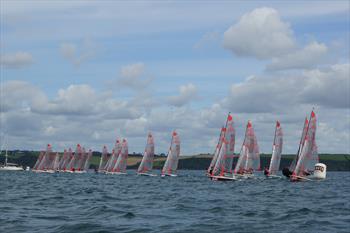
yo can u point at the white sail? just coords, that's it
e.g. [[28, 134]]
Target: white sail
[[146, 164], [120, 166], [276, 150], [309, 155], [219, 168], [172, 160], [249, 158], [103, 160]]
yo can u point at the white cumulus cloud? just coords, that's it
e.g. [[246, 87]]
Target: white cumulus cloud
[[16, 60], [187, 93], [311, 55], [260, 33]]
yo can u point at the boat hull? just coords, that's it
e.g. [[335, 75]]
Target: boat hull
[[116, 173], [223, 178], [171, 175], [11, 168], [146, 174]]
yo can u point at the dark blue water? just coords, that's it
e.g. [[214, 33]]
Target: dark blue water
[[32, 202]]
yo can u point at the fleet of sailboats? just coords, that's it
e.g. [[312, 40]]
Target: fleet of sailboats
[[303, 166]]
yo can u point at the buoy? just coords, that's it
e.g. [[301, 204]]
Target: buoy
[[320, 171]]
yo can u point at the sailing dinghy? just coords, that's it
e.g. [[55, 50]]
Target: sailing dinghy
[[146, 164], [222, 169], [114, 157], [249, 157], [307, 161], [103, 160], [171, 163], [120, 165], [276, 153], [47, 161]]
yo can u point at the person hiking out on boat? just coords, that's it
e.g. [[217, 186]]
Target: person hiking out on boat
[[286, 172], [266, 171]]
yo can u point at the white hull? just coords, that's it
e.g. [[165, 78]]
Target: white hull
[[273, 177], [172, 175], [116, 173], [44, 171], [299, 178], [223, 178], [146, 174], [244, 176], [11, 168]]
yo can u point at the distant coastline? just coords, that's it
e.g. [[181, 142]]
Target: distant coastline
[[334, 162]]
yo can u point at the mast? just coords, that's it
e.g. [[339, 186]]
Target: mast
[[276, 150], [219, 145], [240, 152], [6, 158], [306, 149]]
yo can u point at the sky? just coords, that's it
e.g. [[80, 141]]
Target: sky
[[90, 72]]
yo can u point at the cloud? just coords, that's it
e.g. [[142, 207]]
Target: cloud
[[311, 55], [134, 76], [17, 95], [261, 34], [187, 93], [327, 87], [16, 60], [79, 54]]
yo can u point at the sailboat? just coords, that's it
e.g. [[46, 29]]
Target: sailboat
[[308, 155], [276, 153], [146, 164], [103, 160], [120, 165], [67, 166], [216, 152], [114, 157], [249, 158], [46, 162], [222, 169], [170, 165], [10, 166]]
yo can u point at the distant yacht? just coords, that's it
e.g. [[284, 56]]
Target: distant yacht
[[10, 166]]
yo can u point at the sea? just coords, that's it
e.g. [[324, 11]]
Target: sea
[[61, 202]]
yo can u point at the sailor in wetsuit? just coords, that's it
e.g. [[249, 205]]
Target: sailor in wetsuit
[[286, 172], [266, 171]]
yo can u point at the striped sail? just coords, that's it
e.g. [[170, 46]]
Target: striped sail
[[276, 150], [146, 164], [46, 160], [249, 158], [114, 157], [301, 143], [70, 157], [56, 162], [121, 163], [220, 165], [172, 160], [217, 151], [230, 145], [38, 161], [309, 155], [103, 160], [87, 160]]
